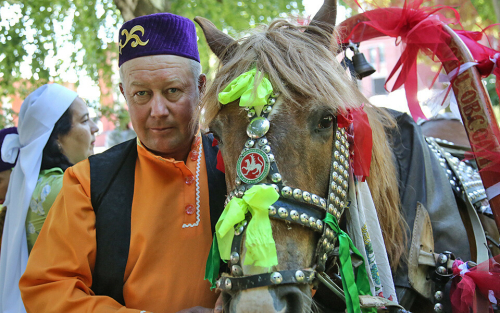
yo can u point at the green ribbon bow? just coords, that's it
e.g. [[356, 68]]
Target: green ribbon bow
[[261, 248], [353, 286], [243, 87]]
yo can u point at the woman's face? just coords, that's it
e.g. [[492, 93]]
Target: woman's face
[[4, 183], [78, 144]]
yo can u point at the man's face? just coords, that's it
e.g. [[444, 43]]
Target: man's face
[[162, 95]]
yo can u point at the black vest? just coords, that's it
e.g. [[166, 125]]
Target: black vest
[[112, 176]]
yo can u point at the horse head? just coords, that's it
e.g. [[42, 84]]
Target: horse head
[[294, 132]]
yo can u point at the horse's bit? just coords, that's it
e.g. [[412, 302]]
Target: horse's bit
[[255, 163]]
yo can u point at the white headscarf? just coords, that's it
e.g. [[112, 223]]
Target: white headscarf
[[39, 113]]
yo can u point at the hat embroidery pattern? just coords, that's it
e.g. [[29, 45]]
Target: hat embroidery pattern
[[131, 35]]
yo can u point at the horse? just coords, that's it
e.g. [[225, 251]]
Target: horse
[[304, 134]]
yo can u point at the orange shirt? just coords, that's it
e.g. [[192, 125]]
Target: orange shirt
[[166, 262]]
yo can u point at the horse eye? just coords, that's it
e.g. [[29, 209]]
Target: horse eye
[[326, 122]]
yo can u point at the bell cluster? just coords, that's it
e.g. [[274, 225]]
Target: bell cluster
[[463, 177], [337, 196], [339, 180], [441, 277]]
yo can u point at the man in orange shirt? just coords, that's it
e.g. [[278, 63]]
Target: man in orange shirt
[[132, 227]]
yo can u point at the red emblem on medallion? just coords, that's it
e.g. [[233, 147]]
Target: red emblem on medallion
[[252, 166]]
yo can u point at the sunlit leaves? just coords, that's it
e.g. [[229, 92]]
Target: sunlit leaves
[[53, 40], [43, 40]]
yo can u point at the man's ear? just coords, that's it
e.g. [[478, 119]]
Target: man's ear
[[202, 83], [122, 91]]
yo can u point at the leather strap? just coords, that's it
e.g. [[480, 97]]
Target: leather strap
[[261, 280]]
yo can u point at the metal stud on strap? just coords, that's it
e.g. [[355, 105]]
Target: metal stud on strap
[[260, 280]]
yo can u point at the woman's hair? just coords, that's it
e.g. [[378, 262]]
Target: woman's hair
[[52, 154]]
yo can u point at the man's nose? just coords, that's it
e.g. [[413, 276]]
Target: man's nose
[[159, 106]]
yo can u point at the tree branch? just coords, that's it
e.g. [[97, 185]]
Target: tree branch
[[127, 8]]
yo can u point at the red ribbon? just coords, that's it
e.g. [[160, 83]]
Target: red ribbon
[[361, 141], [483, 278], [492, 156], [488, 63], [488, 59], [420, 29], [220, 161]]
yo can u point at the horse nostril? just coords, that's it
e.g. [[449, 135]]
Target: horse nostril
[[292, 298], [293, 302]]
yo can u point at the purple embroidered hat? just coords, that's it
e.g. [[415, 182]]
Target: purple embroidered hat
[[4, 132], [161, 33]]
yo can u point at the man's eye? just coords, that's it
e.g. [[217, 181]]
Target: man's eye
[[172, 90], [141, 93]]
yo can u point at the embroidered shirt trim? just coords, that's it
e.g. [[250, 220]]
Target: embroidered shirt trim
[[198, 164]]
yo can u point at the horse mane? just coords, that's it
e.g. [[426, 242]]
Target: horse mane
[[300, 63]]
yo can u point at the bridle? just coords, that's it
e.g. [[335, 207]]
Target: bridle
[[293, 206]]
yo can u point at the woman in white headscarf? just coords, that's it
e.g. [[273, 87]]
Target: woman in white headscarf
[[55, 132]]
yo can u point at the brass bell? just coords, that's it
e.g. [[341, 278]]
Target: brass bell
[[361, 67]]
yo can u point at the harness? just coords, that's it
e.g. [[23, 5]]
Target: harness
[[467, 185], [256, 163]]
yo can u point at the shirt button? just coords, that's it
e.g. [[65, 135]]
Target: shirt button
[[189, 209], [194, 155], [189, 179]]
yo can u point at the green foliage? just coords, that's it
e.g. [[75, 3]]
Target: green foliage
[[486, 12], [31, 54], [30, 50], [6, 118], [490, 86], [116, 114], [233, 16]]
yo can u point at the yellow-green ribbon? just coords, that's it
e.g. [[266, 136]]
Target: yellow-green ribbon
[[353, 286], [261, 248], [243, 87]]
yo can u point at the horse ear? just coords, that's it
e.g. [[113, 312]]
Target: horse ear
[[326, 16], [222, 45]]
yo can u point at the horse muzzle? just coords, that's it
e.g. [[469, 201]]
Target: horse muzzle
[[283, 299]]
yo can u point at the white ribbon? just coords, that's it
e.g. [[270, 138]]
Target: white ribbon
[[436, 101], [493, 191], [37, 117], [453, 100], [494, 60], [463, 67], [10, 148], [362, 214]]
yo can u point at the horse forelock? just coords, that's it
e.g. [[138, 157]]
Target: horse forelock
[[300, 65]]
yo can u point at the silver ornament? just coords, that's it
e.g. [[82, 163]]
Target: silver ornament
[[282, 212], [258, 127]]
